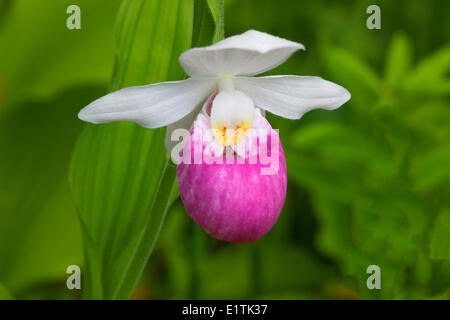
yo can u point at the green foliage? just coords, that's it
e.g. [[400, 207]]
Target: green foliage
[[398, 60], [368, 183], [124, 166], [208, 22], [216, 9], [430, 77], [282, 267], [36, 141], [120, 177], [440, 239], [372, 175], [4, 293], [348, 69], [34, 33]]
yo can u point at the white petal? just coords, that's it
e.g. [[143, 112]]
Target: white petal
[[151, 106], [292, 96], [249, 53]]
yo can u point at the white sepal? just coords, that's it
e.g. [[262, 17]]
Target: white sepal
[[150, 106], [292, 96], [249, 53]]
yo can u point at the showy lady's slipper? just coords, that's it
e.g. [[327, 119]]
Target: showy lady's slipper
[[236, 201]]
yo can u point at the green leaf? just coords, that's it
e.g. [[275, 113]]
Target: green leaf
[[203, 24], [216, 7], [430, 120], [324, 157], [120, 177], [347, 70], [39, 230], [208, 22], [398, 59], [150, 36], [440, 237], [430, 170], [362, 200], [40, 56], [431, 74], [4, 293], [434, 66]]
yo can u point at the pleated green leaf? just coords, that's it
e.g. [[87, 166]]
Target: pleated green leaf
[[120, 178], [120, 175], [39, 231], [47, 57], [208, 22]]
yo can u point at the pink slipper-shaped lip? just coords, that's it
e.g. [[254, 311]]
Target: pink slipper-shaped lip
[[234, 202]]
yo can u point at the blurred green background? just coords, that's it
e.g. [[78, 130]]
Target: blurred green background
[[369, 183]]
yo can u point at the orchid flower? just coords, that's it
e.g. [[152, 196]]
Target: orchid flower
[[231, 201]]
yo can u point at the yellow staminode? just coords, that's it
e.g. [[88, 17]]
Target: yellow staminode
[[232, 114], [229, 136]]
